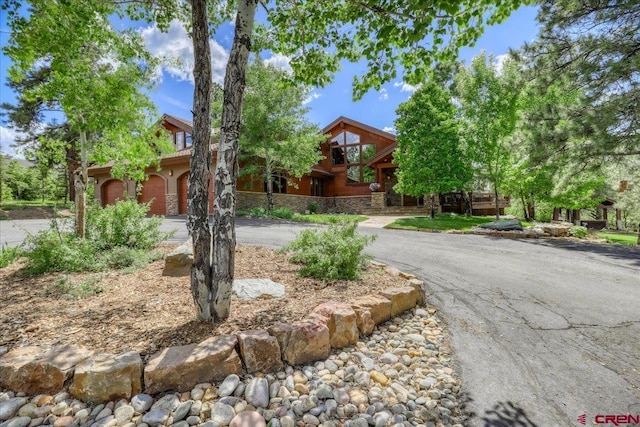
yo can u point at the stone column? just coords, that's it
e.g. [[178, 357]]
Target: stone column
[[377, 199]]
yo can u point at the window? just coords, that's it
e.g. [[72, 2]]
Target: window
[[317, 187], [348, 149], [279, 180], [188, 140], [179, 136]]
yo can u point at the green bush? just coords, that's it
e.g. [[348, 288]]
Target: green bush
[[313, 207], [8, 254], [334, 253], [123, 224], [51, 250], [83, 289], [578, 231], [283, 213], [258, 212]]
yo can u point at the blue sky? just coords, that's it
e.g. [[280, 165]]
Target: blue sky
[[377, 108]]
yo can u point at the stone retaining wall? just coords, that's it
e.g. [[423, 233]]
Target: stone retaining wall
[[298, 203], [100, 377]]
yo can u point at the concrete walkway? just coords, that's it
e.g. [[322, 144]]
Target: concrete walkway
[[379, 221]]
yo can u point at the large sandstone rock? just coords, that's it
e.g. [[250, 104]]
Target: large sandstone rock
[[418, 286], [365, 323], [33, 370], [379, 306], [257, 288], [182, 367], [557, 230], [302, 342], [341, 321], [259, 351], [178, 262], [106, 377], [402, 299]]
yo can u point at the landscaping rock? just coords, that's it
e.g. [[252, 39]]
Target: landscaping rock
[[340, 318], [257, 392], [260, 351], [178, 262], [503, 225], [182, 367], [257, 288], [379, 307], [402, 299], [364, 321], [107, 377], [32, 370], [248, 419], [302, 342], [9, 408]]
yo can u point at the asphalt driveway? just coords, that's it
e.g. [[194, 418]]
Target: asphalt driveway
[[543, 330]]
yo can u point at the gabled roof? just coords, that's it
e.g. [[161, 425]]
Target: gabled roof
[[183, 124], [355, 123], [382, 154]]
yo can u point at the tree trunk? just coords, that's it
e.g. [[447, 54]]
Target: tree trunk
[[80, 187], [533, 206], [433, 213], [268, 172], [556, 214], [226, 173], [525, 207], [73, 163], [497, 202], [638, 242], [200, 166]]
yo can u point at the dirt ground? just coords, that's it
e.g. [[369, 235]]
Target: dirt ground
[[145, 311]]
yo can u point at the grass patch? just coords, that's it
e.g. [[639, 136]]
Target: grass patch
[[86, 287], [328, 218], [8, 254], [441, 222], [622, 238], [13, 205]]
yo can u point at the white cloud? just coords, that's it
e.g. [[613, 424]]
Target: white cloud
[[383, 94], [280, 61], [311, 97], [499, 61], [8, 138], [175, 49], [389, 129], [175, 102], [406, 87]]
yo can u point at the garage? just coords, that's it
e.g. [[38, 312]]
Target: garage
[[153, 190], [182, 194], [112, 191]]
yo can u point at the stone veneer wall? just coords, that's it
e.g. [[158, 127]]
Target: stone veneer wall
[[102, 377], [349, 204], [298, 203], [172, 204]]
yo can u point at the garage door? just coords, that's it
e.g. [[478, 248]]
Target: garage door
[[112, 191], [182, 194], [153, 190]]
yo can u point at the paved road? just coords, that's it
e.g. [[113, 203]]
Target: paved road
[[543, 331]]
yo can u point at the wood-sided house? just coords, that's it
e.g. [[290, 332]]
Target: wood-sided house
[[355, 155]]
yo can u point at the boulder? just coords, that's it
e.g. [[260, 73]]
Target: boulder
[[365, 323], [178, 262], [557, 230], [106, 377], [257, 288], [259, 351], [182, 367], [33, 370], [379, 306], [402, 299], [420, 291], [302, 342], [341, 321], [503, 225]]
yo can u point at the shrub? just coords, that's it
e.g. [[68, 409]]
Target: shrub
[[258, 212], [85, 288], [8, 254], [313, 207], [334, 253], [578, 231], [283, 213], [51, 250], [123, 224]]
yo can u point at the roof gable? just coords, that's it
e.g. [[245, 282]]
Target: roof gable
[[357, 124]]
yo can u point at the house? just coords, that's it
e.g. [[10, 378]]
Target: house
[[355, 155]]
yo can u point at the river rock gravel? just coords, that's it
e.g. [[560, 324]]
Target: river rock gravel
[[400, 376]]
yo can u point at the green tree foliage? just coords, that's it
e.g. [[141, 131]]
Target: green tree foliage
[[591, 48], [489, 112], [318, 35], [429, 156], [96, 78], [275, 137]]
